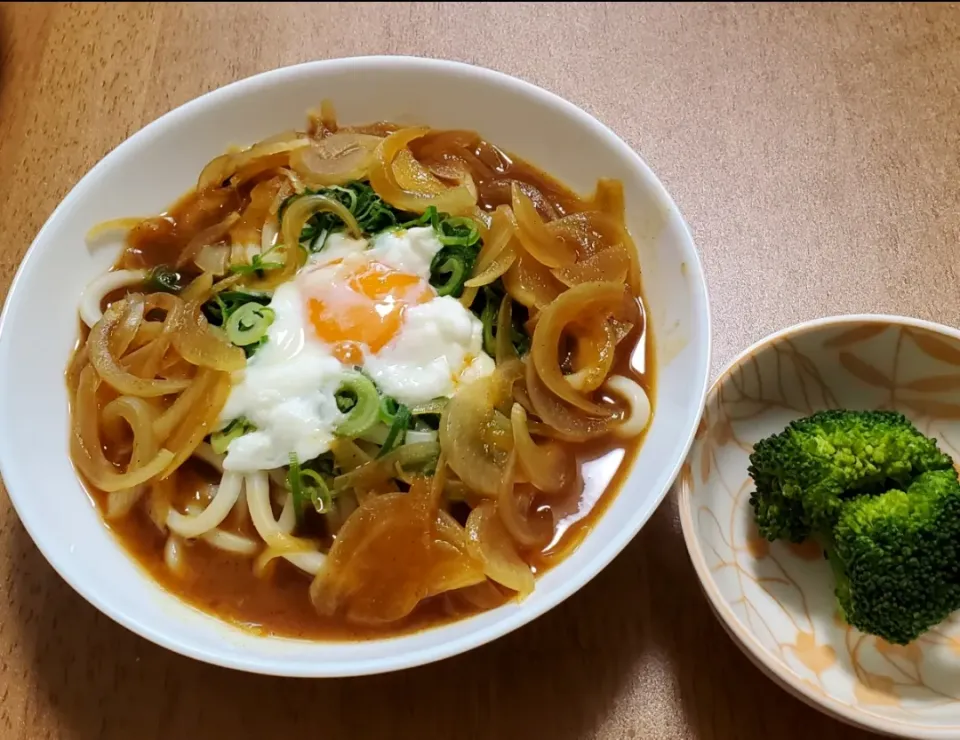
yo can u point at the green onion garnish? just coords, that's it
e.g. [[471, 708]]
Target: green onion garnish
[[398, 430], [364, 414], [388, 409], [458, 231], [451, 268], [489, 319], [221, 439], [296, 489], [249, 323], [307, 486], [256, 265]]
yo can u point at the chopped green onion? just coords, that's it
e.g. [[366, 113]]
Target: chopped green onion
[[221, 305], [249, 323], [220, 440], [451, 268], [398, 430], [365, 411], [163, 279], [489, 320], [256, 265], [458, 231], [317, 490], [388, 409], [296, 490]]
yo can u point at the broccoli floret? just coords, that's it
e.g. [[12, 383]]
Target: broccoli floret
[[804, 473], [895, 556]]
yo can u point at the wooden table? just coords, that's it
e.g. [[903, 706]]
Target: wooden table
[[813, 151]]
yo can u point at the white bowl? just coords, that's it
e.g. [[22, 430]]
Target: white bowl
[[155, 166], [776, 600]]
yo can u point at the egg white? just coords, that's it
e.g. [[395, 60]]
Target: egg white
[[287, 388]]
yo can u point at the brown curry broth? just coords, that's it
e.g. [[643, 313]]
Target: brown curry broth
[[225, 585]]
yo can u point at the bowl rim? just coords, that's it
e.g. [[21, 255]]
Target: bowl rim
[[772, 667], [166, 637]]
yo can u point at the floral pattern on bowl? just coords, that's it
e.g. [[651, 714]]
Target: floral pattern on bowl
[[776, 600]]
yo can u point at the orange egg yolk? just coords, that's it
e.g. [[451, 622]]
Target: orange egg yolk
[[367, 310]]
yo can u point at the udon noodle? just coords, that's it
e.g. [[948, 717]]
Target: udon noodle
[[441, 507]]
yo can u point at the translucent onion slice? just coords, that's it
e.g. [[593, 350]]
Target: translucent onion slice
[[370, 474], [504, 341], [500, 264], [211, 235], [109, 368], [598, 300], [531, 284], [138, 415], [610, 265], [86, 448], [336, 159], [548, 467], [566, 421], [536, 239], [594, 352], [491, 544], [387, 557], [391, 167], [222, 168], [466, 423], [200, 420], [531, 530], [204, 345]]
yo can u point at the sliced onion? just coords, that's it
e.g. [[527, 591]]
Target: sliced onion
[[566, 421], [198, 290], [548, 467], [531, 284], [465, 425], [391, 167], [492, 545], [594, 353], [536, 239], [336, 159], [200, 420], [528, 529], [222, 168], [598, 300], [101, 287], [504, 341], [111, 371], [206, 237], [86, 448], [610, 265], [366, 581], [373, 473], [204, 345], [112, 226], [213, 258]]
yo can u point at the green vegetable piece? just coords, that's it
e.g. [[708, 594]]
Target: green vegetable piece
[[249, 323], [220, 440], [450, 268], [896, 557], [804, 473], [364, 413], [398, 430]]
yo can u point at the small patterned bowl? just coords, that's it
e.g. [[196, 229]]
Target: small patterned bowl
[[776, 600]]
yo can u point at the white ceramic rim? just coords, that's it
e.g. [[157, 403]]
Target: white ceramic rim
[[473, 639], [758, 654]]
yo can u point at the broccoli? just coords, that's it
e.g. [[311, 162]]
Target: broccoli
[[804, 474], [884, 503], [895, 557]]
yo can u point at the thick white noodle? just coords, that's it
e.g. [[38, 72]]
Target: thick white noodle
[[93, 295], [173, 554], [194, 526], [639, 414], [258, 499], [230, 542], [276, 533], [413, 436]]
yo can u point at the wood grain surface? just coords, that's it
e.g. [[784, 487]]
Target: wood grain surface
[[812, 149]]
